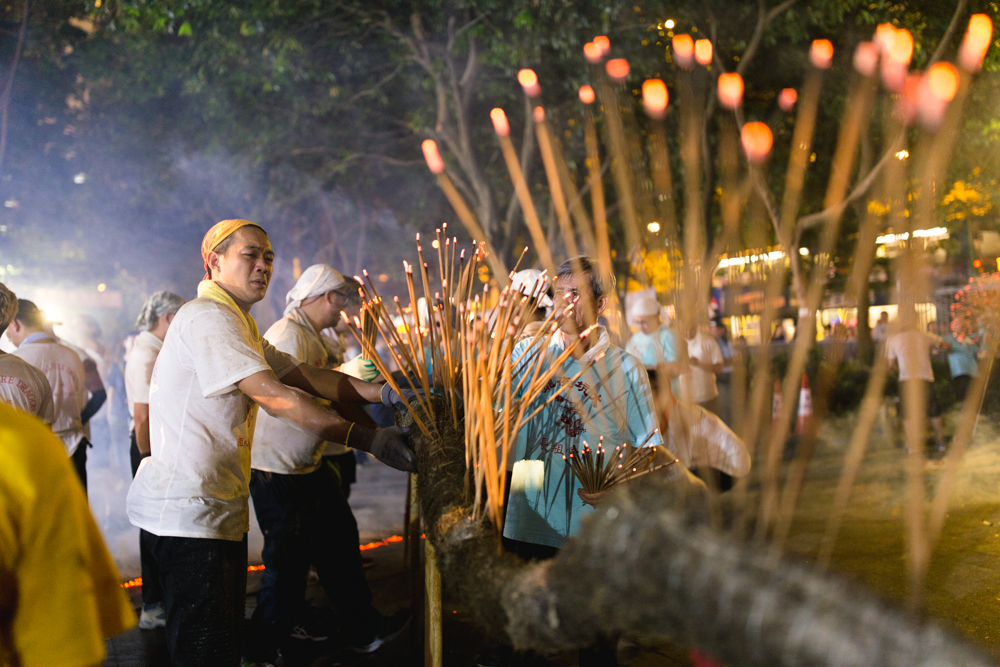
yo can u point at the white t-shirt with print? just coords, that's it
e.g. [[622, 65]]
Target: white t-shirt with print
[[912, 351], [280, 446], [24, 387], [201, 426], [64, 371], [139, 370], [696, 384]]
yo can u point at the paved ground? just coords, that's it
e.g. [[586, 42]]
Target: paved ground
[[962, 589]]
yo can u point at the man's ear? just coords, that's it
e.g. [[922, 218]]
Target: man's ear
[[214, 262], [169, 317], [601, 304]]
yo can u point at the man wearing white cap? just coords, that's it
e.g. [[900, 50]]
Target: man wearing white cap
[[654, 344], [531, 282], [22, 386], [301, 510]]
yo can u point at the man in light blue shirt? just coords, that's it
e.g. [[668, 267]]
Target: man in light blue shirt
[[611, 399], [961, 362]]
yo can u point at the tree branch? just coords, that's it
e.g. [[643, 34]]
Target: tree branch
[[764, 18], [949, 33], [374, 89], [9, 84]]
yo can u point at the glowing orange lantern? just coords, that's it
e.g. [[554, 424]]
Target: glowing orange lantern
[[500, 123], [604, 43], [703, 51], [529, 81], [976, 42], [866, 58], [431, 155], [821, 53], [757, 139], [730, 89], [586, 94], [617, 68], [593, 53], [787, 99], [683, 50], [655, 98]]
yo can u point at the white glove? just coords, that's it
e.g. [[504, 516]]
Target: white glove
[[363, 369]]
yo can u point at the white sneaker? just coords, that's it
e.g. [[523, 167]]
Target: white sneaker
[[152, 617]]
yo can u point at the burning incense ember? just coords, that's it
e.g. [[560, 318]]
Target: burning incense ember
[[586, 94], [655, 98], [432, 156], [500, 123], [703, 51], [593, 53], [603, 42], [897, 51], [683, 50], [529, 82], [942, 81], [787, 99], [730, 89], [757, 139], [538, 114], [908, 102], [598, 471], [976, 42], [821, 54], [617, 69], [866, 58]]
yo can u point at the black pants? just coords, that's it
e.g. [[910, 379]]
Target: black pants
[[204, 595], [79, 460], [152, 592], [345, 469], [961, 384], [306, 520]]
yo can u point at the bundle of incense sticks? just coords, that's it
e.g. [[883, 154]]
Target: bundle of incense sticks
[[366, 325], [597, 471], [465, 360]]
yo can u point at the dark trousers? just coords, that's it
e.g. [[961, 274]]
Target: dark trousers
[[79, 461], [306, 520], [204, 595], [345, 468], [961, 384], [152, 593]]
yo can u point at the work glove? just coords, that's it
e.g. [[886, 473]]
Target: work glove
[[363, 369], [394, 400], [389, 445]]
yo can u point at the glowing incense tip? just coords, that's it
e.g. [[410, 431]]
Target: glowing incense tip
[[432, 156], [703, 51], [901, 49], [757, 139], [538, 114], [529, 82], [655, 98], [787, 99], [821, 53], [730, 89], [866, 58], [593, 53], [603, 42], [942, 81], [885, 33], [976, 42], [500, 124], [617, 69], [683, 47]]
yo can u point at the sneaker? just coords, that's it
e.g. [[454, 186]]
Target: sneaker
[[153, 616], [309, 633], [387, 628]]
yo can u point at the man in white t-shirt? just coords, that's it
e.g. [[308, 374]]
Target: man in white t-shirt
[[697, 382], [153, 322], [22, 386], [65, 372], [190, 496], [910, 351]]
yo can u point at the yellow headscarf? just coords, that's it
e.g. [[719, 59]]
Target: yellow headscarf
[[218, 233]]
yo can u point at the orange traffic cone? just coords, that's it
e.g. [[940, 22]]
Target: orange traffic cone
[[776, 403], [805, 405]]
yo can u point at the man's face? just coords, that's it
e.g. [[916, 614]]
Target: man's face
[[648, 323], [575, 289], [245, 268]]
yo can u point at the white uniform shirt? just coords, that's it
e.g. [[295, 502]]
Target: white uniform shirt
[[139, 370], [912, 351], [64, 371], [196, 482], [24, 387], [279, 445], [699, 439], [696, 384]]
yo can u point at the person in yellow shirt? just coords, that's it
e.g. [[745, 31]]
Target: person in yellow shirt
[[60, 593]]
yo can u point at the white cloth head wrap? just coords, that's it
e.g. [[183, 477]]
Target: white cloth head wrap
[[316, 280]]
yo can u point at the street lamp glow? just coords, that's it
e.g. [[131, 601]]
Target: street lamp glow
[[80, 178], [653, 227], [804, 251], [669, 24]]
